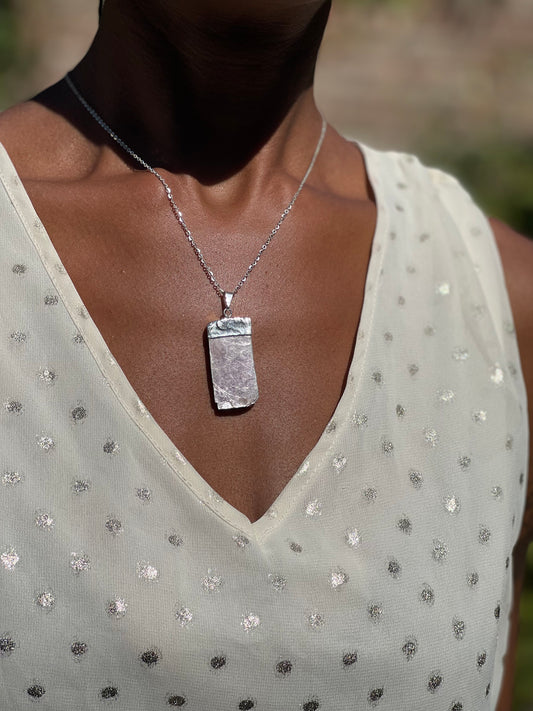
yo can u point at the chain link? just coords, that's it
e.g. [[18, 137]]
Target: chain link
[[175, 209]]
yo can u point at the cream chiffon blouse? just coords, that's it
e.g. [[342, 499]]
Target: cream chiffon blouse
[[381, 577]]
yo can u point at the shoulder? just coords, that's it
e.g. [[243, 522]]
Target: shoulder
[[516, 252], [39, 135]]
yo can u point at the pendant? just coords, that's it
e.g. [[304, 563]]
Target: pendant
[[232, 360]]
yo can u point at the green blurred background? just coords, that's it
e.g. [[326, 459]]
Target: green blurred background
[[448, 80]]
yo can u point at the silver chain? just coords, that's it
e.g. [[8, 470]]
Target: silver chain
[[177, 212]]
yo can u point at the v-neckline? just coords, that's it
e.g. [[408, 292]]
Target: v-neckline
[[126, 395]]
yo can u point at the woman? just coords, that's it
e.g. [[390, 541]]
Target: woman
[[353, 539]]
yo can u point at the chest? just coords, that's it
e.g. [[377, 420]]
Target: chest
[[146, 292]]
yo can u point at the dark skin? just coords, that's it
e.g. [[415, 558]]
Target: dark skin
[[219, 97]]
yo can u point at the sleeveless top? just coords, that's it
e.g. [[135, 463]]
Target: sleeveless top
[[380, 577]]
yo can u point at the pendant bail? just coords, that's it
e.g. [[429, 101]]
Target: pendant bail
[[227, 298]]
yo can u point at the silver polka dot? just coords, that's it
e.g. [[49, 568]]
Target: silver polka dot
[[183, 615], [404, 524], [460, 354], [46, 600], [509, 442], [116, 607], [387, 446], [484, 535], [481, 659], [349, 658], [240, 540], [277, 581], [472, 579], [429, 330], [435, 681], [388, 336], [360, 420], [375, 695], [497, 374], [9, 558], [18, 336], [313, 508], [36, 691], [110, 446], [250, 621], [410, 648], [370, 494], [479, 416], [304, 469], [296, 547], [78, 649], [416, 478], [497, 611], [109, 692], [452, 504], [445, 396], [19, 269], [143, 493], [375, 612], [218, 661], [440, 550], [14, 407], [394, 568], [7, 645], [377, 377], [78, 414], [45, 442], [284, 667], [401, 300], [464, 462], [352, 537], [80, 485], [413, 368], [427, 595], [51, 299], [212, 582], [400, 411], [147, 571], [431, 436], [338, 577], [11, 478], [459, 628], [47, 376], [150, 657], [80, 562], [339, 462], [44, 520], [315, 620], [497, 493], [332, 426], [114, 525], [442, 288]]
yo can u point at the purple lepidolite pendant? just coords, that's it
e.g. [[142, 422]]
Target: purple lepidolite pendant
[[232, 362]]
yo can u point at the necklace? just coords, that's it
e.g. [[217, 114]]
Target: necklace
[[233, 377]]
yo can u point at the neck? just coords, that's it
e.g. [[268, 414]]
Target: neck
[[202, 92]]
